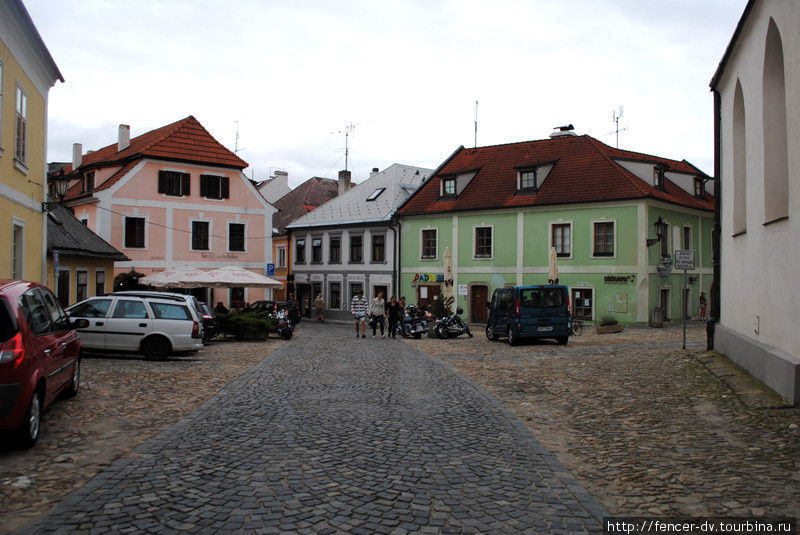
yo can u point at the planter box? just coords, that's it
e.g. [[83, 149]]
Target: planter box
[[608, 329]]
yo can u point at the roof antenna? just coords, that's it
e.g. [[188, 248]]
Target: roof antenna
[[476, 124], [615, 117], [236, 142]]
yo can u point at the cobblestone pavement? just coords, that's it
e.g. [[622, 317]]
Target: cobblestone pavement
[[337, 435], [123, 400], [642, 424]]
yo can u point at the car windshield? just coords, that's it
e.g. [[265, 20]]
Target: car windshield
[[542, 298]]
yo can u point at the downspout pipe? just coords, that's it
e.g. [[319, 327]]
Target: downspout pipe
[[396, 237], [717, 230]]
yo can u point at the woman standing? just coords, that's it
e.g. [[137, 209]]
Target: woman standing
[[377, 308], [395, 312], [319, 306]]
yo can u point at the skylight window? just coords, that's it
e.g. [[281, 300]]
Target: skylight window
[[375, 194]]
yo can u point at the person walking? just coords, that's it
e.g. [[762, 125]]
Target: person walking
[[377, 310], [319, 307], [394, 312], [702, 305], [358, 307]]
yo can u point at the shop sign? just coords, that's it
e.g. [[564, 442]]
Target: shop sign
[[425, 278], [619, 279]]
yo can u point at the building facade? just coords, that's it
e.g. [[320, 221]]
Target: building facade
[[500, 209], [174, 197], [757, 100], [27, 72], [349, 244]]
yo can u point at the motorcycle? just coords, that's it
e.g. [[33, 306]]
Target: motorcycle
[[452, 326], [284, 325], [413, 323]]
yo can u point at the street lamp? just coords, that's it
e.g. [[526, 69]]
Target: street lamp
[[661, 232], [60, 184]]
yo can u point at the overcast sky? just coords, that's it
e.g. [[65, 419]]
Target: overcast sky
[[406, 74]]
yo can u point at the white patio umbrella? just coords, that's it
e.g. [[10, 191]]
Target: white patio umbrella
[[448, 276], [175, 278], [233, 276], [552, 270]]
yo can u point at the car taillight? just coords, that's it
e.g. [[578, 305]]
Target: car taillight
[[206, 317], [12, 350], [569, 306], [516, 306], [195, 329]]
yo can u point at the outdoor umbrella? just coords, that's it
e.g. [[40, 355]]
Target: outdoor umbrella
[[233, 277], [175, 278], [448, 276], [552, 271]]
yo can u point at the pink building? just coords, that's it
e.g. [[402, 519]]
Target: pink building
[[174, 197]]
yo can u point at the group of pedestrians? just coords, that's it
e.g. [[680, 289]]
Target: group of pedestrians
[[376, 312]]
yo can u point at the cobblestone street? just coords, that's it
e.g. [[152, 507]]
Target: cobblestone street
[[644, 425], [332, 434]]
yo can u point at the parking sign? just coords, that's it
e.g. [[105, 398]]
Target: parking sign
[[270, 270]]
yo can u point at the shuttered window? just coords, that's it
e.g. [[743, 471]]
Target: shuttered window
[[134, 232], [236, 236], [214, 187], [173, 183], [200, 235]]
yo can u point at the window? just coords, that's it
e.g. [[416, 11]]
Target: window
[[542, 298], [483, 242], [94, 308], [527, 180], [17, 251], [604, 239], [378, 248], [356, 249], [200, 235], [698, 187], [776, 146], [214, 187], [99, 283], [57, 314], [300, 251], [686, 242], [62, 286], [561, 239], [316, 250], [658, 176], [237, 296], [85, 222], [88, 182], [236, 237], [335, 299], [375, 194], [429, 244], [281, 254], [35, 311], [130, 310], [335, 251], [448, 187], [134, 232], [166, 311], [82, 287], [21, 132], [173, 183], [739, 162]]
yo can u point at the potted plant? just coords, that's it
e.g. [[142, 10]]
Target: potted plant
[[608, 324]]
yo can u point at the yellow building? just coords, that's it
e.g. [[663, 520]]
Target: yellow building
[[27, 72]]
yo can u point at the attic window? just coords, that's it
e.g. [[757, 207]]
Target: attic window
[[658, 176], [88, 181], [698, 187], [449, 187], [528, 181], [375, 194]]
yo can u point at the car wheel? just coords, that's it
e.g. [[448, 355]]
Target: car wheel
[[562, 340], [440, 332], [28, 431], [75, 382], [417, 336], [490, 333], [286, 334], [512, 339], [156, 348]]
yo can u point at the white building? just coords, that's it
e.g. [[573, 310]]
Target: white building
[[276, 187], [350, 243], [757, 100]]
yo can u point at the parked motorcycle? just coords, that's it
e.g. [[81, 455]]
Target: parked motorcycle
[[413, 323], [284, 326], [452, 326]]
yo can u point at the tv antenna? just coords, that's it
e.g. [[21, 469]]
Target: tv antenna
[[347, 130], [616, 115], [476, 124]]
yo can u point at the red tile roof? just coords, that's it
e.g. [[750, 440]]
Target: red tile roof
[[585, 170], [185, 140]]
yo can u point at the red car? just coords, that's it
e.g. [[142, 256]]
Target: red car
[[39, 356]]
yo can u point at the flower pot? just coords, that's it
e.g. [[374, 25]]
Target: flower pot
[[608, 329]]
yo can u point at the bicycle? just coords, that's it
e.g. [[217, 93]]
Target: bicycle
[[577, 327]]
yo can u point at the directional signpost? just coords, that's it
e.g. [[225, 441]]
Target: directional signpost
[[684, 259]]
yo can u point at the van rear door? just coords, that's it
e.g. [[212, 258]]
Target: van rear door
[[543, 311]]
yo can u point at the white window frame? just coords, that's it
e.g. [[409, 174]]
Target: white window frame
[[341, 297], [305, 261], [321, 238], [78, 270], [194, 220], [228, 236], [17, 223], [341, 241], [146, 218], [422, 248], [278, 250], [22, 162], [385, 248], [176, 170], [442, 192], [591, 233], [201, 175], [475, 238], [550, 226], [535, 172]]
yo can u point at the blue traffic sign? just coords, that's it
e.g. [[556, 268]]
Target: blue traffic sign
[[270, 270]]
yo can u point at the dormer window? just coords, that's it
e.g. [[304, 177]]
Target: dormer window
[[449, 187], [88, 181], [528, 180], [658, 176], [375, 194], [698, 187]]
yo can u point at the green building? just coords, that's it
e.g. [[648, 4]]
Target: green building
[[499, 209]]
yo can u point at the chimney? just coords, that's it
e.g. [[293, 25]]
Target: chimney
[[344, 181], [281, 178], [373, 172], [124, 138], [77, 155], [562, 131]]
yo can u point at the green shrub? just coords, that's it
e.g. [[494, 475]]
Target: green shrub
[[605, 321], [246, 325]]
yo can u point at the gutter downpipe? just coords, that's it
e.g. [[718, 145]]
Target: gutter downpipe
[[396, 246], [717, 230]]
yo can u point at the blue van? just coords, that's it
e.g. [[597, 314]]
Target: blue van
[[540, 311]]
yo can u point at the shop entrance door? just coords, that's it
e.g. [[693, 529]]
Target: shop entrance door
[[583, 302], [426, 293], [478, 295]]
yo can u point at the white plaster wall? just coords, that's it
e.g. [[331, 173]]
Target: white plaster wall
[[759, 269]]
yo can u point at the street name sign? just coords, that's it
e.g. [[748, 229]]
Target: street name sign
[[684, 259]]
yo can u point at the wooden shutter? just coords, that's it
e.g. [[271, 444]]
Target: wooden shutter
[[185, 183], [204, 185], [224, 188], [162, 181]]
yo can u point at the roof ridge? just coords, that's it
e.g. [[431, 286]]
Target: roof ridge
[[653, 156], [168, 132], [632, 179], [526, 141]]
